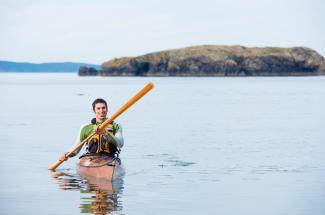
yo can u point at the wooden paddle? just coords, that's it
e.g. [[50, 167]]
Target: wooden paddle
[[128, 104]]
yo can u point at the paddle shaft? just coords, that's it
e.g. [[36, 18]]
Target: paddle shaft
[[128, 104]]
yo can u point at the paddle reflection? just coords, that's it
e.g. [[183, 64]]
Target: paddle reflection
[[98, 196]]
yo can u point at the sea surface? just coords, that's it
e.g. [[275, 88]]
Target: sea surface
[[241, 145]]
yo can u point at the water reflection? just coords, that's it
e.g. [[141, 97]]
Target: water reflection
[[98, 196]]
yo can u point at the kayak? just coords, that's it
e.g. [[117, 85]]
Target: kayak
[[101, 167]]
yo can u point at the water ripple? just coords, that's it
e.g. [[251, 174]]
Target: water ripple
[[180, 163]]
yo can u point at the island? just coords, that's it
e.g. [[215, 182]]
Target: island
[[56, 67], [215, 60]]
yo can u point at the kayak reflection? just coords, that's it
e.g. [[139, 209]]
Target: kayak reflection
[[99, 196]]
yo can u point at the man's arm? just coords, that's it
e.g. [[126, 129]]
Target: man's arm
[[80, 138], [117, 139]]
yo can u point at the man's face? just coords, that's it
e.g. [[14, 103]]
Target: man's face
[[100, 111]]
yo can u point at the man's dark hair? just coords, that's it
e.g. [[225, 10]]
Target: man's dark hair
[[99, 100]]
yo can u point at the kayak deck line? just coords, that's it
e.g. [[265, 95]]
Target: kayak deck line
[[96, 158], [107, 164]]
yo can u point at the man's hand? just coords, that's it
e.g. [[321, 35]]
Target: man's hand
[[96, 130], [64, 157]]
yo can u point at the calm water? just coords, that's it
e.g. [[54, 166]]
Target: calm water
[[192, 145]]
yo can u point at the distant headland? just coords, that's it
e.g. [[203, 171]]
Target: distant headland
[[10, 66], [213, 60]]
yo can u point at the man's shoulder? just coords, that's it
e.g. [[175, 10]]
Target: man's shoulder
[[87, 127], [85, 130], [115, 124]]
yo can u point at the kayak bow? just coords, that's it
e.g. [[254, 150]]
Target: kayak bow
[[101, 167]]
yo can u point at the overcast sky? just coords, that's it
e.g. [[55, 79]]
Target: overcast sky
[[93, 31]]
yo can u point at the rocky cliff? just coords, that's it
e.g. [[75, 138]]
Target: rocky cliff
[[211, 60]]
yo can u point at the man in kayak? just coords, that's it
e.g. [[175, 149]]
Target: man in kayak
[[108, 141]]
